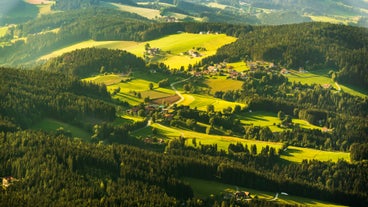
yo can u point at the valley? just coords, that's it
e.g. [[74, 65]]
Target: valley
[[183, 103]]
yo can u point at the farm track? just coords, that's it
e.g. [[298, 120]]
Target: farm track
[[177, 92]]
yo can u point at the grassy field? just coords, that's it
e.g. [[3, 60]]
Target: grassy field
[[293, 154], [239, 66], [176, 44], [204, 188], [223, 85], [315, 77], [172, 47], [88, 44], [262, 118], [335, 19], [3, 31], [50, 125], [202, 101], [322, 77], [144, 12], [127, 89]]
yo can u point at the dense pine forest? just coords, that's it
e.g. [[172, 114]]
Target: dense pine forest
[[130, 161]]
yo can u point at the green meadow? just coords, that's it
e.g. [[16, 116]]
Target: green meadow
[[293, 154], [223, 85], [144, 12], [129, 89], [172, 47], [321, 77], [312, 77], [202, 101], [269, 119], [51, 125], [204, 189], [89, 44], [239, 66]]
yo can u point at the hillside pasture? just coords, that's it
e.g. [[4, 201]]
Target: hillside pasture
[[321, 77], [202, 101], [144, 12], [108, 80], [173, 47], [89, 44], [298, 154], [293, 154], [223, 85], [269, 119], [311, 77], [204, 188], [51, 125]]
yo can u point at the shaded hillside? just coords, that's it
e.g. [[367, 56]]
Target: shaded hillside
[[86, 62], [308, 45]]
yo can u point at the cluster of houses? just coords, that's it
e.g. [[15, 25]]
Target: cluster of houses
[[222, 68], [150, 140], [153, 51]]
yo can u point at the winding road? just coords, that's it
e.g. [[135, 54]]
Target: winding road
[[177, 92]]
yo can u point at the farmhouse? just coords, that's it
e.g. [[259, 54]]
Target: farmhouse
[[241, 195]]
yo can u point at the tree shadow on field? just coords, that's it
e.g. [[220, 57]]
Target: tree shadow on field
[[289, 152]]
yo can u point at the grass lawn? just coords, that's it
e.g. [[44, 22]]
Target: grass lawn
[[202, 101], [223, 85], [204, 188], [50, 125], [263, 118]]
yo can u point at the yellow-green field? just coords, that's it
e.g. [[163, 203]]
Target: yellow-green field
[[335, 19], [223, 85], [204, 189], [171, 46], [315, 77], [297, 154], [127, 89], [239, 66], [263, 119], [144, 12], [3, 31], [293, 154], [175, 45], [51, 125], [321, 77], [88, 44], [202, 101]]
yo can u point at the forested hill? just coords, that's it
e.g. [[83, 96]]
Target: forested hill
[[308, 45], [86, 62], [28, 96]]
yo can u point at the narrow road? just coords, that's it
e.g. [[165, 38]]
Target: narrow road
[[177, 92]]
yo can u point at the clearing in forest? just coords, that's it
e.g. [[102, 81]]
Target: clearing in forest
[[204, 189]]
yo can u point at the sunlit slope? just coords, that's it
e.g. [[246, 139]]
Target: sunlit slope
[[172, 47]]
